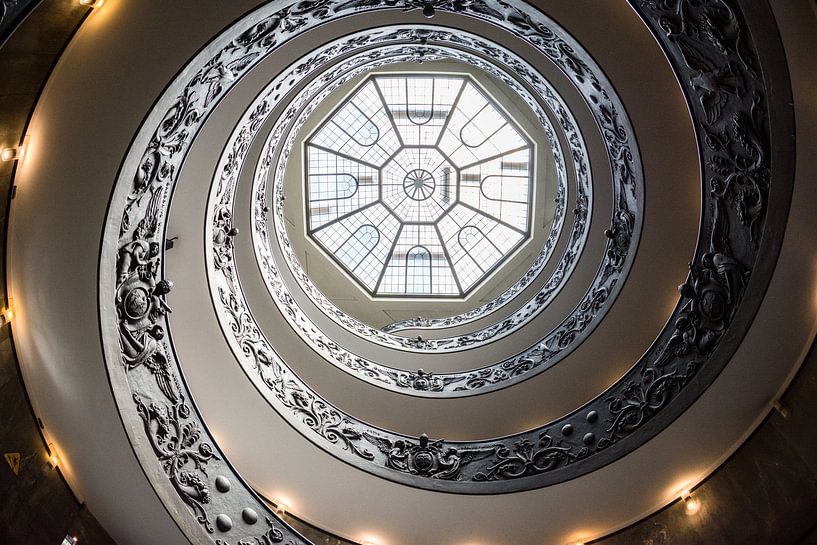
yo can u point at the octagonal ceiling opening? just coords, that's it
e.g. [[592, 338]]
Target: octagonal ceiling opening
[[348, 293], [419, 185]]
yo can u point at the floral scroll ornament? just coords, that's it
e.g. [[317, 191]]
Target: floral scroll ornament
[[141, 305]]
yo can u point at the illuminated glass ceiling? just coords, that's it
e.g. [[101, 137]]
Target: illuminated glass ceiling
[[419, 185]]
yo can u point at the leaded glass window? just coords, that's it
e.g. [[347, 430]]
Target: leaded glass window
[[419, 185]]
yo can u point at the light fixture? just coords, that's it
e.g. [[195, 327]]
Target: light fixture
[[7, 314], [691, 504], [781, 408], [280, 506], [70, 540], [92, 3], [53, 459], [12, 154]]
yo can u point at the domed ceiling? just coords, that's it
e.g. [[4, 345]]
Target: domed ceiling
[[441, 272]]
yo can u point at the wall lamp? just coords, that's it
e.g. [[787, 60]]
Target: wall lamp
[[12, 154], [15, 153], [691, 504], [280, 506], [92, 3], [53, 459]]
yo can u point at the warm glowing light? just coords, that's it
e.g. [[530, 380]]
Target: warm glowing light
[[8, 314], [53, 459], [11, 154], [691, 504], [92, 3], [281, 506]]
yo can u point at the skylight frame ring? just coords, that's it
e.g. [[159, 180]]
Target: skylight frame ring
[[577, 238]]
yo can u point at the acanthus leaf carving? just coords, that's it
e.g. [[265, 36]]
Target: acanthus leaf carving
[[525, 458], [176, 440]]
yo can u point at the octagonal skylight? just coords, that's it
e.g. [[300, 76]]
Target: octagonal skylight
[[419, 185]]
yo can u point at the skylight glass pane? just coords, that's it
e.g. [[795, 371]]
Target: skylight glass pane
[[419, 185], [419, 105], [476, 243], [477, 130], [500, 187], [418, 265], [360, 128], [361, 242], [337, 186]]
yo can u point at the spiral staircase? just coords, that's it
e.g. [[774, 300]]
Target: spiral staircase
[[253, 306]]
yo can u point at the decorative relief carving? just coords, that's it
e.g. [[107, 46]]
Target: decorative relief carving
[[140, 302], [176, 440], [735, 143], [426, 458], [527, 458], [175, 437], [421, 381]]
